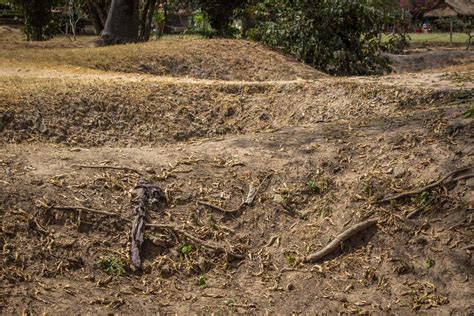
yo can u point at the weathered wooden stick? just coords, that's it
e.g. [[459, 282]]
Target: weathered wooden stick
[[333, 245]]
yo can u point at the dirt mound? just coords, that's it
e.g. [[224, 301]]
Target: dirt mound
[[116, 113], [197, 58]]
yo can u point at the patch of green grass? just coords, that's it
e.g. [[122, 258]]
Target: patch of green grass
[[291, 259], [112, 265], [320, 186], [202, 281], [186, 249], [230, 302], [424, 201], [433, 37], [313, 187], [429, 263], [469, 113]]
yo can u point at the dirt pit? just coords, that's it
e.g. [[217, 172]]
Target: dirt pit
[[319, 154]]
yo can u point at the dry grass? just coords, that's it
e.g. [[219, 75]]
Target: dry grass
[[171, 56]]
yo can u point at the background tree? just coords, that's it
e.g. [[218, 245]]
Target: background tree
[[122, 23], [97, 11], [75, 12], [418, 7], [39, 24], [146, 18], [338, 36]]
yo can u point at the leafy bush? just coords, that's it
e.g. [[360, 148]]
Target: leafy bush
[[39, 22], [336, 36], [396, 43]]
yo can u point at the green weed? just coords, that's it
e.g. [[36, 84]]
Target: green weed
[[186, 249], [112, 265]]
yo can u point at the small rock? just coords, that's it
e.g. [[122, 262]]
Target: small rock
[[38, 182], [229, 112], [264, 117], [398, 171], [279, 199], [150, 170], [290, 287]]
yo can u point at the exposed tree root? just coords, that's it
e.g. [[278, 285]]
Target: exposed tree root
[[333, 245], [430, 186]]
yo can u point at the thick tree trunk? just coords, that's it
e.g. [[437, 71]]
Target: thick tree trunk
[[122, 23]]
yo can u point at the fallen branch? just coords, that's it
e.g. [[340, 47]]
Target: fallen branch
[[429, 186], [107, 167], [333, 245], [216, 248], [84, 209]]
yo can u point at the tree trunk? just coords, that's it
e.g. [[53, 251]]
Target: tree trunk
[[122, 23], [98, 15], [149, 20], [143, 16]]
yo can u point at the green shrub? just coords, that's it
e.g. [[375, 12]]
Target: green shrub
[[336, 36], [39, 21]]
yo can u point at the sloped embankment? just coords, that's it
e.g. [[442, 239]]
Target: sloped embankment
[[126, 113]]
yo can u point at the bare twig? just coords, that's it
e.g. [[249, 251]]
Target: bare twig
[[216, 248], [107, 167], [333, 245], [429, 186], [85, 209]]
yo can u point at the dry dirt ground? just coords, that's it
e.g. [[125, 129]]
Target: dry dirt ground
[[320, 151]]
